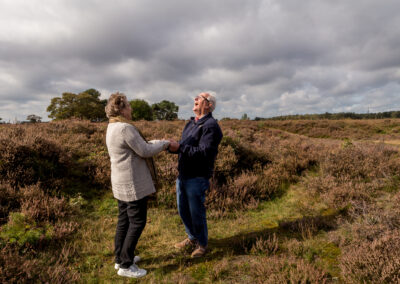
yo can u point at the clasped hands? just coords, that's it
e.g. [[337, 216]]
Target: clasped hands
[[173, 146]]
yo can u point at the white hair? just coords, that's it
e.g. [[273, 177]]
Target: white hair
[[211, 98]]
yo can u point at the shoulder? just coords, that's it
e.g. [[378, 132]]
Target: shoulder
[[211, 123], [126, 128]]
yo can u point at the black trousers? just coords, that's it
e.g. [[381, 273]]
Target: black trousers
[[131, 222]]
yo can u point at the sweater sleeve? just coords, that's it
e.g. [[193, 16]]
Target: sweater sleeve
[[139, 145]]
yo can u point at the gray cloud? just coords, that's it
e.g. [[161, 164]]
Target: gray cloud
[[262, 57]]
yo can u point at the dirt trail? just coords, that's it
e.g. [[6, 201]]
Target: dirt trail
[[394, 142]]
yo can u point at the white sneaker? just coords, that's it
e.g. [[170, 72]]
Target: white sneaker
[[133, 271], [136, 259]]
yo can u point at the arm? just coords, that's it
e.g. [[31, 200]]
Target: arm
[[135, 141]]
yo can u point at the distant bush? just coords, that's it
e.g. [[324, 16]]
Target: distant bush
[[339, 129]]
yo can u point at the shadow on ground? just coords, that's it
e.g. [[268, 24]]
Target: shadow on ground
[[242, 243]]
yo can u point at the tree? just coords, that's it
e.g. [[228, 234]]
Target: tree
[[86, 105], [245, 117], [165, 110], [141, 110], [33, 118]]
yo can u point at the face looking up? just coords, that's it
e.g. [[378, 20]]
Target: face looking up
[[201, 105]]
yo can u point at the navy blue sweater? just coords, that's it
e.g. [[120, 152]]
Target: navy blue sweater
[[199, 147]]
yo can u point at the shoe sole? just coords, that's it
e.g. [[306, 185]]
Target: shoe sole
[[131, 276], [197, 256]]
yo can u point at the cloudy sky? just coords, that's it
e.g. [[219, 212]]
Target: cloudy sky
[[263, 58]]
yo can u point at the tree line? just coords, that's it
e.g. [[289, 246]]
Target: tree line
[[334, 116], [88, 105]]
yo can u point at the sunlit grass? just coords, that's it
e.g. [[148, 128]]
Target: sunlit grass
[[228, 241]]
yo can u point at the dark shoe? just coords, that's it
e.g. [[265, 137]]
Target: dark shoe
[[200, 251], [185, 243]]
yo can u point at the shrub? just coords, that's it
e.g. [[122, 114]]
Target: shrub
[[39, 206], [278, 269], [9, 201], [27, 268], [376, 261], [27, 162]]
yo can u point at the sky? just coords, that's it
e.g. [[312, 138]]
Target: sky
[[261, 57]]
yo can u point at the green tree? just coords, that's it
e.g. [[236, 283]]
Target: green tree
[[33, 118], [165, 110], [141, 110], [86, 105], [245, 117]]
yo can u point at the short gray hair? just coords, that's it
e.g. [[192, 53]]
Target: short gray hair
[[211, 98]]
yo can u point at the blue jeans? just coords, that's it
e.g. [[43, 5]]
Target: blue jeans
[[190, 197]]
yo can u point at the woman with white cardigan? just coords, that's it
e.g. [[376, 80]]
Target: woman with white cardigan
[[132, 175]]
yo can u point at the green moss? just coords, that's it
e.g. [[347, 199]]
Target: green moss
[[23, 231], [324, 254]]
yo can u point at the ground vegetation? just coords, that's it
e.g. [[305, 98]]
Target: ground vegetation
[[290, 202]]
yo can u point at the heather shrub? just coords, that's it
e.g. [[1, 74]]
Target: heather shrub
[[283, 269], [376, 261], [67, 156], [27, 162], [338, 129], [354, 174], [260, 171], [9, 201], [265, 245], [28, 268], [361, 162], [339, 194], [246, 189], [238, 192], [39, 206]]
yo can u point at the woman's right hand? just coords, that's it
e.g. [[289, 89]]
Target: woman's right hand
[[173, 146]]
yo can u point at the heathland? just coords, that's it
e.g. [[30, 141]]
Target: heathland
[[305, 201]]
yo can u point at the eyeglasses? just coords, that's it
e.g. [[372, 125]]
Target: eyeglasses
[[202, 96]]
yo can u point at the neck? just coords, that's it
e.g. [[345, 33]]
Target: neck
[[200, 115], [120, 119]]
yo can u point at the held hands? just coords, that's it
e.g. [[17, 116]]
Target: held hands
[[173, 146]]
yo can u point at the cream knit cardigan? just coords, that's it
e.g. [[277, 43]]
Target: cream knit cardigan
[[130, 177]]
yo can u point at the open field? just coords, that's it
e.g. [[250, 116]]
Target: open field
[[290, 202]]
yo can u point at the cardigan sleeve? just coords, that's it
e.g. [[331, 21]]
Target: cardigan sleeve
[[135, 141]]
